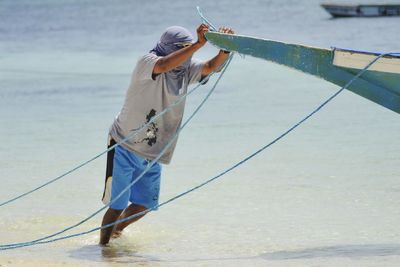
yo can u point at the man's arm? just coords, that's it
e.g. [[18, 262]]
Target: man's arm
[[178, 57], [214, 63]]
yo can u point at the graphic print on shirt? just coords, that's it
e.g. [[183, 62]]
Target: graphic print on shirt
[[151, 132]]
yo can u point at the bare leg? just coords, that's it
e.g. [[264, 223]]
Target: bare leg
[[129, 211], [109, 217]]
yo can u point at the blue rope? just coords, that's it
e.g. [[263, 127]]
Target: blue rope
[[18, 245], [205, 21], [223, 67], [149, 165], [128, 137]]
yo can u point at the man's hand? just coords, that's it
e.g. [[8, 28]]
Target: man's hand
[[226, 30], [218, 60], [173, 60], [201, 30]]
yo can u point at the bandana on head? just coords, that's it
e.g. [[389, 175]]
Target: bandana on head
[[169, 43]]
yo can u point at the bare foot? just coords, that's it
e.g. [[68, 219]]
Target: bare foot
[[116, 234]]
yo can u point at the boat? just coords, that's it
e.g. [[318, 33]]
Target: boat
[[338, 10], [380, 83]]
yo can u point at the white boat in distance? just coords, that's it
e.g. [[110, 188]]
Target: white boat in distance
[[343, 10]]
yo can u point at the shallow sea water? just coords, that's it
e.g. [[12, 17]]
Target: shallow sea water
[[326, 195]]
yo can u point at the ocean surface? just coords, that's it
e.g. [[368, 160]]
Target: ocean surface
[[326, 195]]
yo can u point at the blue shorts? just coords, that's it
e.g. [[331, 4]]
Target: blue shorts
[[123, 167]]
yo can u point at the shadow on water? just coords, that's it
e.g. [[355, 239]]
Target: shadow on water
[[347, 251]]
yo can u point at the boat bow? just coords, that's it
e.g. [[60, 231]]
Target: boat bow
[[381, 87]]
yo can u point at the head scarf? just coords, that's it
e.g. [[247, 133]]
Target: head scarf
[[167, 45]]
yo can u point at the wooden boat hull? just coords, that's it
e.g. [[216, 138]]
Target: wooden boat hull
[[362, 10], [381, 87]]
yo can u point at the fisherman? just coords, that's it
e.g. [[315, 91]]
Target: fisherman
[[160, 78]]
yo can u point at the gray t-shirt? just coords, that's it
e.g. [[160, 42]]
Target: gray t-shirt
[[146, 98]]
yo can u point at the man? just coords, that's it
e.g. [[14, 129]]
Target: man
[[160, 78]]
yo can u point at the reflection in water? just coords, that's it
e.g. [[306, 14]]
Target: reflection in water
[[113, 253]]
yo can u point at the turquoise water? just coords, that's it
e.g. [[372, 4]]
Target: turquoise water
[[327, 195]]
